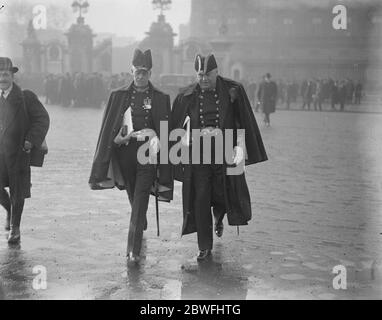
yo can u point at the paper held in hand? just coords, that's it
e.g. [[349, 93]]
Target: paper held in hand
[[128, 121], [187, 127]]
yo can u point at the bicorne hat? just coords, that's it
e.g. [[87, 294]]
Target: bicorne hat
[[6, 65], [205, 64], [142, 60]]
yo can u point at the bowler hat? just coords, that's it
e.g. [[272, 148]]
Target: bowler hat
[[6, 65]]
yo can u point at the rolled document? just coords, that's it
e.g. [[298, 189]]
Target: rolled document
[[187, 127], [127, 123]]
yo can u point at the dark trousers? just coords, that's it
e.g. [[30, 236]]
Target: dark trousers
[[208, 183], [13, 203], [139, 179], [306, 103], [13, 206], [318, 105]]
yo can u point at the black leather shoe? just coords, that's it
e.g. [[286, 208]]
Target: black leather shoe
[[203, 255], [219, 228], [14, 235], [7, 225]]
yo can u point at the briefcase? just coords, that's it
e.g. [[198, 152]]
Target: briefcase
[[38, 154]]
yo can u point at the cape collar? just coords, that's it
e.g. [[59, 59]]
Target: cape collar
[[193, 88]]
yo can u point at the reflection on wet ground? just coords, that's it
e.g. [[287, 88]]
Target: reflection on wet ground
[[211, 279], [319, 214], [15, 277]]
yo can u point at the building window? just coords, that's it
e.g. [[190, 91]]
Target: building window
[[317, 21], [212, 21], [252, 21], [288, 21]]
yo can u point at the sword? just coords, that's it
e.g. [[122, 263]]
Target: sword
[[157, 203]]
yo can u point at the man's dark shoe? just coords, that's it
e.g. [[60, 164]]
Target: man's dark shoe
[[14, 235], [219, 228], [7, 225], [145, 225], [203, 255]]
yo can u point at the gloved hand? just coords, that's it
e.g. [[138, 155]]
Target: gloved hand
[[238, 155], [120, 139], [27, 146], [155, 145]]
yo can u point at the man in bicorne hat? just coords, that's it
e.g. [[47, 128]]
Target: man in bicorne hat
[[133, 113], [24, 123], [214, 104]]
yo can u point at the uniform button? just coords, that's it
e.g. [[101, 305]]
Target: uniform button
[[201, 103], [217, 116], [216, 95], [201, 110], [201, 97], [132, 97], [132, 104], [217, 101], [147, 110], [134, 92]]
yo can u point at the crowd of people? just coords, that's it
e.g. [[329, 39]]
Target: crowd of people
[[91, 90], [75, 90], [312, 93]]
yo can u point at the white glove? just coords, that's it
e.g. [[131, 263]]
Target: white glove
[[155, 145], [238, 155]]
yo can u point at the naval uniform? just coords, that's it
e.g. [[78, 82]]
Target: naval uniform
[[139, 177]]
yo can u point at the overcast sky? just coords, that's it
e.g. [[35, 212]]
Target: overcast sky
[[133, 17], [130, 18]]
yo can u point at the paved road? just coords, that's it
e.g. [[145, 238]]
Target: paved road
[[316, 204]]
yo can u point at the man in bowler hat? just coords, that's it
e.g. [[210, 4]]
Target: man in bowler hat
[[24, 123]]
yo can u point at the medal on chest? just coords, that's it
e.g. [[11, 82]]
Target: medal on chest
[[147, 104]]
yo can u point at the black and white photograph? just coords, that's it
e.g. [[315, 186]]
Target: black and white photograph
[[206, 151]]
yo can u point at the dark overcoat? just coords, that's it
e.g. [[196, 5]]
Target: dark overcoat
[[26, 119], [105, 172], [267, 95], [235, 112]]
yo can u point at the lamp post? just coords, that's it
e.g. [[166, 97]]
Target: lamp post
[[162, 5], [82, 7]]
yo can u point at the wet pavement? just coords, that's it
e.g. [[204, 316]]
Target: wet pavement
[[316, 204]]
